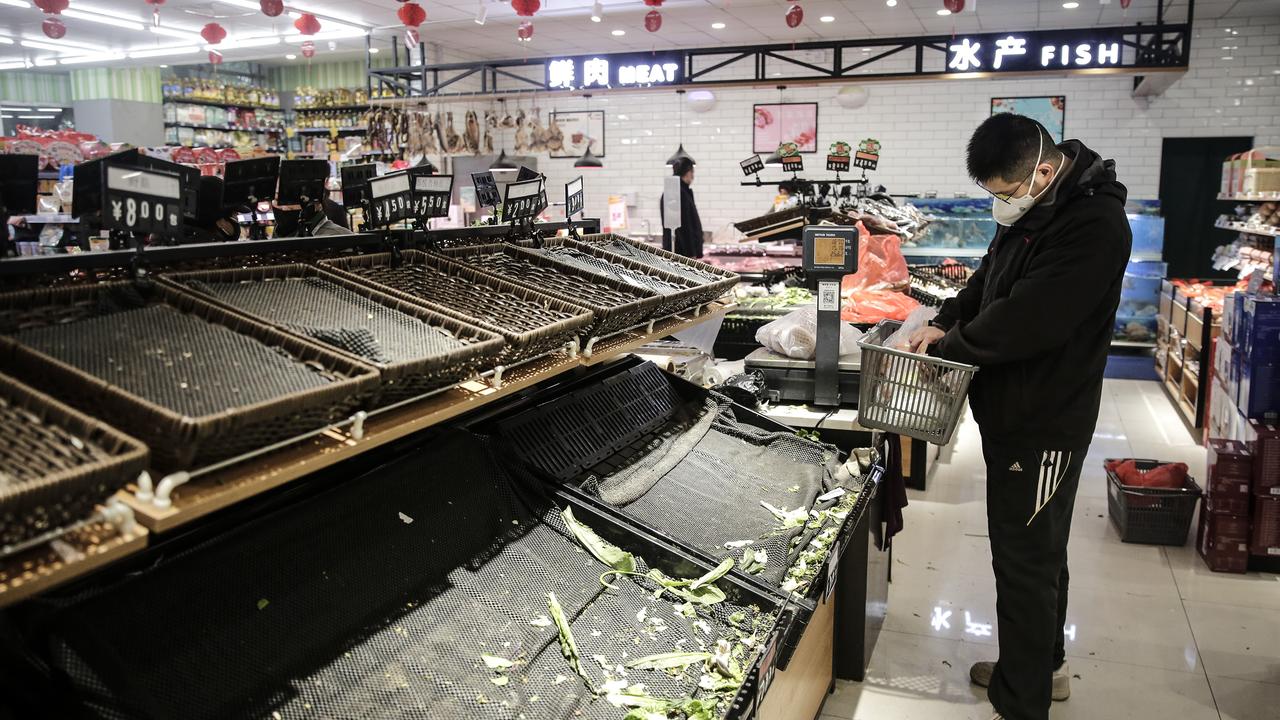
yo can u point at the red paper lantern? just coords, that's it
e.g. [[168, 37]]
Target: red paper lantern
[[307, 24], [653, 3], [526, 8], [53, 27], [308, 49], [653, 21], [53, 7], [215, 57], [795, 16], [525, 31], [271, 8], [412, 37], [954, 6], [213, 33], [1125, 4], [411, 14]]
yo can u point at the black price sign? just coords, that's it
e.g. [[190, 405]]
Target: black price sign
[[431, 194], [792, 163], [143, 201], [866, 161], [389, 200], [524, 200], [573, 198], [487, 194], [752, 165], [838, 163]]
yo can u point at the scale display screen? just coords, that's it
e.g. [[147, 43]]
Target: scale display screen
[[831, 249]]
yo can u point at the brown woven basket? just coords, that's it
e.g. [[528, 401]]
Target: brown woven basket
[[615, 304], [178, 441], [773, 223], [711, 280], [57, 463], [532, 323], [400, 379]]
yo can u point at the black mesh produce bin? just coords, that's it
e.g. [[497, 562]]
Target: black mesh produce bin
[[197, 383], [712, 281], [1156, 516], [531, 322], [382, 597], [615, 305], [414, 348], [55, 463]]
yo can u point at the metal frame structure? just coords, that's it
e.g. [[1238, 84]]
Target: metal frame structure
[[1159, 47]]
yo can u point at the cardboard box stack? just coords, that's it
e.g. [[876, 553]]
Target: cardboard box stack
[[1224, 533], [1265, 538]]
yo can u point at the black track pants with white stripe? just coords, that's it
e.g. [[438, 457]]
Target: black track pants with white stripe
[[1030, 496]]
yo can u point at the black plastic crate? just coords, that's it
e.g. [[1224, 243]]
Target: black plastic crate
[[1155, 516]]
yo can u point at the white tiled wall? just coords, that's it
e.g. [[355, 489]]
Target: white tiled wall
[[923, 126]]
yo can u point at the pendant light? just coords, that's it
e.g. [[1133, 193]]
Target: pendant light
[[588, 160], [775, 159], [503, 164], [680, 154]]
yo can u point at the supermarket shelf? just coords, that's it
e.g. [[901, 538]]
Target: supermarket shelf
[[218, 103], [338, 108], [225, 128], [82, 551], [212, 491], [329, 131], [945, 252], [1263, 230], [1253, 197], [1132, 344]]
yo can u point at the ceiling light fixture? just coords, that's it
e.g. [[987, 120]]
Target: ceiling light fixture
[[19, 65], [17, 4], [171, 32], [482, 12], [97, 57], [15, 109], [35, 117], [290, 56], [891, 3], [245, 43], [827, 18], [373, 51], [1070, 5], [335, 35], [6, 41], [102, 19], [296, 12], [597, 11], [717, 26], [66, 48], [53, 110], [109, 12], [45, 62], [944, 12], [619, 33], [162, 52], [163, 65]]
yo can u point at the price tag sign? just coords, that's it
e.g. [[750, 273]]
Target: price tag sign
[[431, 195], [868, 155], [143, 201], [573, 197], [833, 571], [793, 163], [487, 194], [524, 200], [752, 165], [389, 199], [838, 163]]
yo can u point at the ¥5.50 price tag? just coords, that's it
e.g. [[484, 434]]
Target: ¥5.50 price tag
[[431, 194], [389, 200], [524, 200], [143, 201]]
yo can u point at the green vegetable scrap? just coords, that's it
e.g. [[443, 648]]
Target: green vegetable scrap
[[500, 680], [668, 660], [263, 603], [496, 663], [704, 595], [604, 551], [720, 571], [568, 647]]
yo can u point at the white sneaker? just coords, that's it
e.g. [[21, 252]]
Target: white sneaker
[[981, 672], [997, 716]]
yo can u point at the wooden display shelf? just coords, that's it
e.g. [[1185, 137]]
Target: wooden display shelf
[[1250, 197], [212, 491], [41, 568]]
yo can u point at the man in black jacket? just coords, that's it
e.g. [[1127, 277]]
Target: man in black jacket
[[688, 237], [1036, 318]]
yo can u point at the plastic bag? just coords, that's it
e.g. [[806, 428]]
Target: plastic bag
[[795, 335], [880, 263], [872, 306], [916, 320]]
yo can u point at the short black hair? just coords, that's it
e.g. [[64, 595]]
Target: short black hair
[[787, 187], [1004, 147], [682, 166]]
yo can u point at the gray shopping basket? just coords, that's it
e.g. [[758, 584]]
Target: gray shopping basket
[[914, 395]]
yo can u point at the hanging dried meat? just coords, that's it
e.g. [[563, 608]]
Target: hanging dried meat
[[471, 135]]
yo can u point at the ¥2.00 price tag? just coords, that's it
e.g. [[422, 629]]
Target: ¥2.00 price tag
[[431, 195], [524, 200], [143, 201], [389, 200]]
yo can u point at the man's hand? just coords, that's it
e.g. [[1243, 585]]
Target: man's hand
[[922, 338]]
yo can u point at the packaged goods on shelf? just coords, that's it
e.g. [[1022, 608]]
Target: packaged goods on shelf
[[1251, 173], [1264, 441], [1265, 541], [222, 89], [310, 98], [1221, 552]]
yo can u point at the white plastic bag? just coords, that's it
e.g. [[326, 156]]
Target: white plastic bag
[[795, 335], [916, 320]]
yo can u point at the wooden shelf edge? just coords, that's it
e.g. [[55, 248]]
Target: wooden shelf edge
[[42, 571]]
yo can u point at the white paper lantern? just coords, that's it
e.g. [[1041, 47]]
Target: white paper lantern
[[852, 97], [701, 101]]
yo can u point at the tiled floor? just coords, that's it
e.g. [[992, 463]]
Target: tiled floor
[[1156, 635]]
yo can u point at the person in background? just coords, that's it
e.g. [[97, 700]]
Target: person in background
[[1036, 318], [687, 240], [786, 197]]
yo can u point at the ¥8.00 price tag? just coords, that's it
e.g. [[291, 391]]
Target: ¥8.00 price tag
[[431, 194], [524, 200], [144, 201], [389, 200]]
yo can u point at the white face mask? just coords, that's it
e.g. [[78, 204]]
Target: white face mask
[[1008, 212]]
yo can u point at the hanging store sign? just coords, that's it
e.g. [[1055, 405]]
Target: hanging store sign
[[868, 155], [620, 70], [1027, 51], [792, 161], [752, 165], [838, 157], [144, 201]]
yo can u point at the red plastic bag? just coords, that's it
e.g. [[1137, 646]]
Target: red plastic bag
[[872, 306], [880, 263]]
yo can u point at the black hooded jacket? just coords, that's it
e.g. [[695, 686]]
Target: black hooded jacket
[[1038, 315]]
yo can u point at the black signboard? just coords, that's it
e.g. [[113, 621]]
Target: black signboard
[[302, 180], [752, 165], [617, 70], [838, 163], [390, 199], [793, 163], [431, 194], [487, 194], [18, 183], [524, 200], [573, 197], [190, 180], [865, 160], [355, 183], [86, 190], [142, 201], [250, 180]]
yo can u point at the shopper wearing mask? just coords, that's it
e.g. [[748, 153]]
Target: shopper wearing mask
[[1037, 319], [688, 237]]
